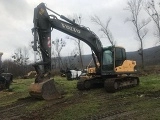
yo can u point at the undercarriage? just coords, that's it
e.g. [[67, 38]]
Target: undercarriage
[[111, 83]]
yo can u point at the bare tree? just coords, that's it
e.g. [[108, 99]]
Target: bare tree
[[17, 70], [152, 10], [78, 20], [59, 44], [21, 58], [104, 28], [135, 7]]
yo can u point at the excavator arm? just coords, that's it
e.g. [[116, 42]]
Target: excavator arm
[[44, 24], [79, 32]]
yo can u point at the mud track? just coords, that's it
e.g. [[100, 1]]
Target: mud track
[[15, 110], [112, 107]]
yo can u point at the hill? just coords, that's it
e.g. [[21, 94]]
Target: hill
[[151, 57]]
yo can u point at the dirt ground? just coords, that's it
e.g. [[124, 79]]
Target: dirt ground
[[118, 107], [130, 104]]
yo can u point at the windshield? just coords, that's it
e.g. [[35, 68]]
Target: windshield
[[107, 60], [107, 57]]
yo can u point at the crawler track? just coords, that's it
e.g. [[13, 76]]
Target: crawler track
[[110, 84], [115, 84]]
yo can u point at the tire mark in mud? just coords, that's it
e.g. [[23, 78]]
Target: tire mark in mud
[[110, 115], [118, 102], [50, 108], [11, 108], [14, 110]]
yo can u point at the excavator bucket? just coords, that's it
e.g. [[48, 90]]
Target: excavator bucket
[[44, 90]]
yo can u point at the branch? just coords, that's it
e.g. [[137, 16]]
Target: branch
[[144, 24], [145, 33], [104, 28]]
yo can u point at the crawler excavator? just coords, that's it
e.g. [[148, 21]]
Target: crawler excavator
[[114, 70]]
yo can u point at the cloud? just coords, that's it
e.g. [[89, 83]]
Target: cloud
[[15, 9], [17, 20], [15, 25]]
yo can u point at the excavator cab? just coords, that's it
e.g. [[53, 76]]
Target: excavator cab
[[114, 61], [108, 60]]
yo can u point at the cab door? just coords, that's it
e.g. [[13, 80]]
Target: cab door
[[107, 65], [111, 58]]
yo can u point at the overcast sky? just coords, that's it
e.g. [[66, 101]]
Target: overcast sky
[[16, 21]]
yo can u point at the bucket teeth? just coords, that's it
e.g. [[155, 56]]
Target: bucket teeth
[[44, 90]]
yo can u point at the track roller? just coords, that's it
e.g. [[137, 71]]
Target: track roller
[[111, 85], [84, 84], [135, 81]]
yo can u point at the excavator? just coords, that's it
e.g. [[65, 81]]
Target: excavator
[[114, 70]]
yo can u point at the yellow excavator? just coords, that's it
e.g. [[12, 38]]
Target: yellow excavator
[[114, 70]]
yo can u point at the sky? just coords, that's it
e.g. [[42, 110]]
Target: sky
[[16, 22]]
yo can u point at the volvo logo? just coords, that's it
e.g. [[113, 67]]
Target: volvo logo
[[71, 28]]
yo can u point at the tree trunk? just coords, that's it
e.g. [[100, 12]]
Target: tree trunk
[[80, 54]]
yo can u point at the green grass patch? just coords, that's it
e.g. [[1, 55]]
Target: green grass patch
[[21, 85], [144, 99], [18, 90], [35, 105], [69, 87], [147, 84], [77, 111]]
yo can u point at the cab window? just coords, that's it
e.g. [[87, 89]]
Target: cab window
[[107, 60], [107, 57], [120, 56]]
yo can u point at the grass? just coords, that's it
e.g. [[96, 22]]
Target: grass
[[76, 111], [147, 84], [21, 85], [143, 100], [69, 87], [18, 89]]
